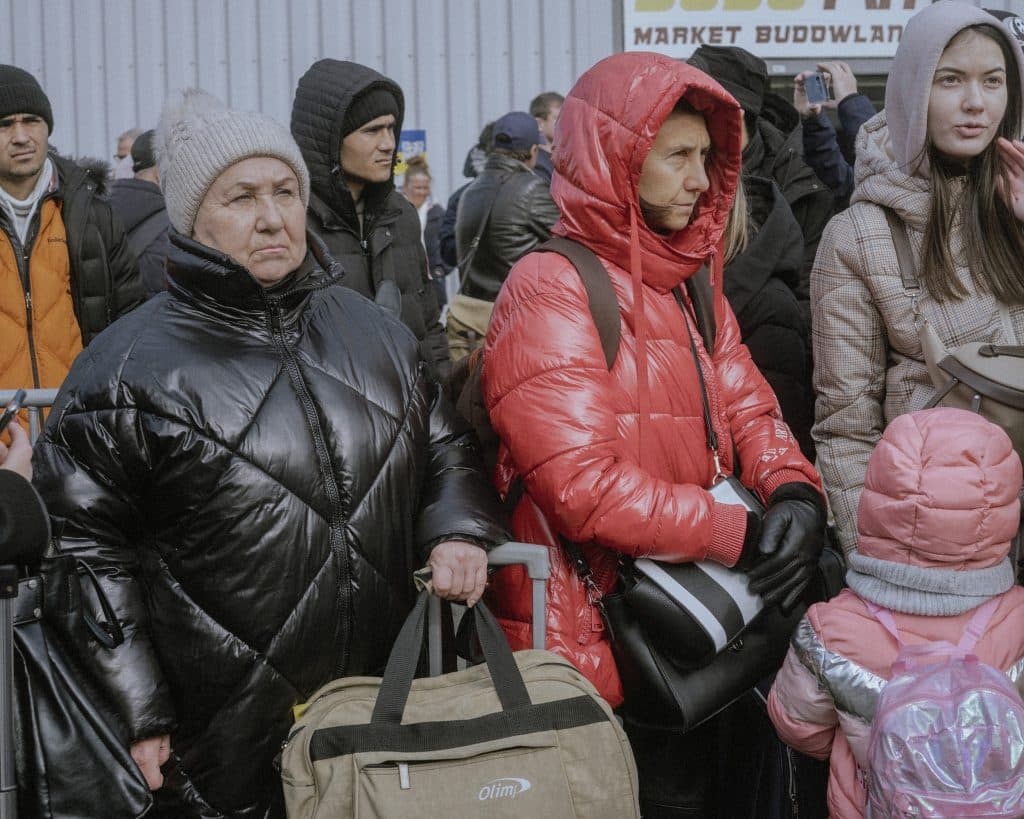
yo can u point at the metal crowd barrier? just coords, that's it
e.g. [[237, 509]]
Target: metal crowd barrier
[[35, 402]]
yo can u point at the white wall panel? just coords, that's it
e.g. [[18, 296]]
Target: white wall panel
[[108, 64]]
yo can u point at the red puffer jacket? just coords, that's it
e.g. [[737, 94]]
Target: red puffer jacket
[[619, 460]]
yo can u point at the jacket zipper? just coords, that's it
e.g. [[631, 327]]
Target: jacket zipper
[[21, 257], [338, 544]]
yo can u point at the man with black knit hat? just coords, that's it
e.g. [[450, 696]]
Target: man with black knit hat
[[140, 206], [346, 119], [768, 152], [65, 268]]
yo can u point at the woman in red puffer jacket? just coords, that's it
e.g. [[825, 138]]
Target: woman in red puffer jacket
[[647, 157]]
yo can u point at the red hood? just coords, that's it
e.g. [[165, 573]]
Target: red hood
[[605, 131]]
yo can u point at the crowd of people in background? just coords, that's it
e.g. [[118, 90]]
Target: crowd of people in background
[[255, 335]]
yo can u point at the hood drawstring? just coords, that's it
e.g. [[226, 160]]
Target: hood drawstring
[[640, 330]]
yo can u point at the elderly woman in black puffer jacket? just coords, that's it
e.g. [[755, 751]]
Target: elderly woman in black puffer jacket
[[254, 463]]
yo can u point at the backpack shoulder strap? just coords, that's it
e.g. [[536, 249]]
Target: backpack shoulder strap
[[884, 616], [146, 232], [702, 297], [904, 255], [976, 626], [604, 304]]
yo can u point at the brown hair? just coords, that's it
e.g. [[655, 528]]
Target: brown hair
[[993, 238], [541, 105]]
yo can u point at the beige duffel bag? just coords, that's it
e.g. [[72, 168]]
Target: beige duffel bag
[[523, 735]]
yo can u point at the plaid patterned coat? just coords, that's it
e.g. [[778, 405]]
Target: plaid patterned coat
[[869, 366]]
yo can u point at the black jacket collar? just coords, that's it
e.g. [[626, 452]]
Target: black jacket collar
[[216, 283]]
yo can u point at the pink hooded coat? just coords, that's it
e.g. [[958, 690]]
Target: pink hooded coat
[[941, 491]]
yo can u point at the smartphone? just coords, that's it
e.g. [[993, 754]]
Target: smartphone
[[817, 88], [12, 409]]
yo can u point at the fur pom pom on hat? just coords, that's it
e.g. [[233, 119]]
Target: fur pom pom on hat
[[198, 138]]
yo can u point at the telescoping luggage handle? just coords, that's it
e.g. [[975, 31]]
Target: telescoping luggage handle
[[535, 560], [401, 667]]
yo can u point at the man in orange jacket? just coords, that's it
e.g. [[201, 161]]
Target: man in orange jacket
[[65, 268]]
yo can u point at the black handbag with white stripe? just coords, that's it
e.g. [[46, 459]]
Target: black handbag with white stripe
[[690, 639], [699, 608]]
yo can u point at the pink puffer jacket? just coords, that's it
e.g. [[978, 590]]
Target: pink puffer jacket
[[941, 491]]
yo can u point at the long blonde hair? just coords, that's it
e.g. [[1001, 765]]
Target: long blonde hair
[[737, 232]]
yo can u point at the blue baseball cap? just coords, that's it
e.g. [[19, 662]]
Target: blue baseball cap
[[516, 131]]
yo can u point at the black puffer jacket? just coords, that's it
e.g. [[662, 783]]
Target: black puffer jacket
[[105, 280], [520, 219], [762, 284], [254, 475], [140, 206], [388, 247], [773, 154]]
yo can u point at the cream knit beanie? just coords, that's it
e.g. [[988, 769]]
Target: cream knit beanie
[[198, 138]]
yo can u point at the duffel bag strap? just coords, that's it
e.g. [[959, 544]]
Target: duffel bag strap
[[404, 658]]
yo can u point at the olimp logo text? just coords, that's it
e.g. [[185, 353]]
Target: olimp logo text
[[507, 788]]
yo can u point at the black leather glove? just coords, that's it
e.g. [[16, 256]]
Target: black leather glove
[[792, 537]]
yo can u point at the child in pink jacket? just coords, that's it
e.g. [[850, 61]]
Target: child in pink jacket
[[939, 508]]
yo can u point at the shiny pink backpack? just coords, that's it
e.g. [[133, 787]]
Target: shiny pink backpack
[[948, 734]]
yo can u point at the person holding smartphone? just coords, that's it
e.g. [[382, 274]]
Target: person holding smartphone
[[822, 149]]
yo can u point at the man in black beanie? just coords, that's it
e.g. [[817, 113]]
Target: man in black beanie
[[65, 268], [139, 204], [346, 119]]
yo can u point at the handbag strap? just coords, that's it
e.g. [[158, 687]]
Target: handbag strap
[[709, 429], [109, 633], [466, 261], [904, 256], [994, 350]]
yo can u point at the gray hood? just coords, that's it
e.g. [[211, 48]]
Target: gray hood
[[910, 80]]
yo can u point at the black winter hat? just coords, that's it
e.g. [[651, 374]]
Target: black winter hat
[[372, 103], [20, 93], [143, 155], [738, 71]]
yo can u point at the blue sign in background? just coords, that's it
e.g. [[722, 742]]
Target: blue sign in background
[[410, 143]]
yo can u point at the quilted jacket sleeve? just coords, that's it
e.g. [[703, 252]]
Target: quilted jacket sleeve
[[769, 454], [458, 499], [550, 397], [88, 467], [802, 711], [849, 371]]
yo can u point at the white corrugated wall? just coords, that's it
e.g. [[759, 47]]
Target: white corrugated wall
[[107, 64]]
